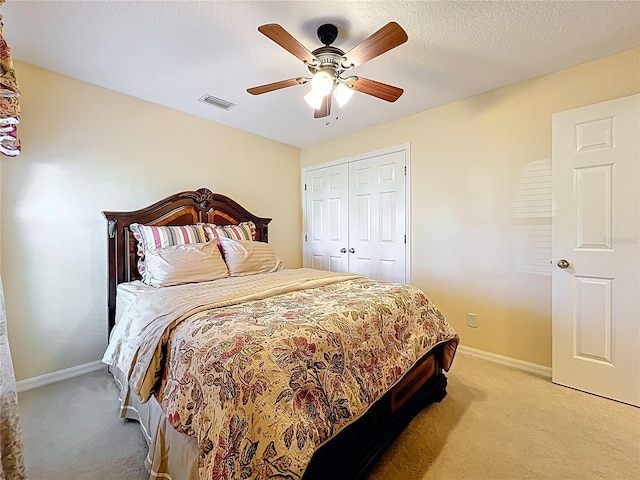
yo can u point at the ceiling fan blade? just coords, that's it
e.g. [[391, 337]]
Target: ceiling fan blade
[[388, 37], [270, 87], [325, 108], [283, 38], [376, 89]]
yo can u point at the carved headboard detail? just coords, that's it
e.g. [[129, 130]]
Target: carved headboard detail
[[184, 208]]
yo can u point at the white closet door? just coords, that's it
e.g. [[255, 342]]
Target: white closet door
[[327, 218], [377, 217]]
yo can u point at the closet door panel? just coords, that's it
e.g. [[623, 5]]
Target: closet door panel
[[327, 218], [377, 217]]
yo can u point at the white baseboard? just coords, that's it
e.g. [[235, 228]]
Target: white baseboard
[[47, 378], [508, 361]]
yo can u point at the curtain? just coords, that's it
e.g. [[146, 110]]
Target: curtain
[[11, 462], [9, 106]]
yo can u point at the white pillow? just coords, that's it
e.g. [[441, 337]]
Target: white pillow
[[245, 257], [194, 262]]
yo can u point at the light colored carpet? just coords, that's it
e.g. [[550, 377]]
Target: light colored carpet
[[71, 430], [496, 423], [500, 423]]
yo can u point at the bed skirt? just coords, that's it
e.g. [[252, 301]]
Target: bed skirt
[[169, 450]]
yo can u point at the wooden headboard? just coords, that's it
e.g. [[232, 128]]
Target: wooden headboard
[[184, 208]]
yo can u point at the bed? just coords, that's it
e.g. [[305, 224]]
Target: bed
[[279, 374]]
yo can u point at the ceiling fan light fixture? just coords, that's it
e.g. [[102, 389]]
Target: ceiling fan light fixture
[[328, 63], [314, 99], [322, 82], [343, 94]]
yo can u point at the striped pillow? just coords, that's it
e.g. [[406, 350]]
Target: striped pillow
[[151, 237], [244, 257], [242, 231], [195, 262]]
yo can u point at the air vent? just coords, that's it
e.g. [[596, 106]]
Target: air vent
[[216, 102]]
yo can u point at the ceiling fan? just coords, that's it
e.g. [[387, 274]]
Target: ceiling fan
[[327, 65]]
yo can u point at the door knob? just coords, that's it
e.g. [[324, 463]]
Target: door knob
[[352, 250], [343, 250], [562, 263]]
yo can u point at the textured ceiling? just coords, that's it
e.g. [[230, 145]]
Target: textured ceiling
[[171, 53]]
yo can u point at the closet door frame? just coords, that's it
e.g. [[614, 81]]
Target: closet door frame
[[406, 148]]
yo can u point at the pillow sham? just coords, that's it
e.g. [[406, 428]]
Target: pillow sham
[[189, 263], [242, 231], [152, 237], [245, 257]]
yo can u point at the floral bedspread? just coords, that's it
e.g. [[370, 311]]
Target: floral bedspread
[[144, 322], [261, 385]]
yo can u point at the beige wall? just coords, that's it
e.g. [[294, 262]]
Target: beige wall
[[468, 162], [88, 149]]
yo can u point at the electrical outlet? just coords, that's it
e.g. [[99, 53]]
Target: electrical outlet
[[472, 320]]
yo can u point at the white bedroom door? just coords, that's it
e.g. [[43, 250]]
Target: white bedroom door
[[596, 249], [327, 218]]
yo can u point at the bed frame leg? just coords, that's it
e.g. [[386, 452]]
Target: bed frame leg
[[440, 390]]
